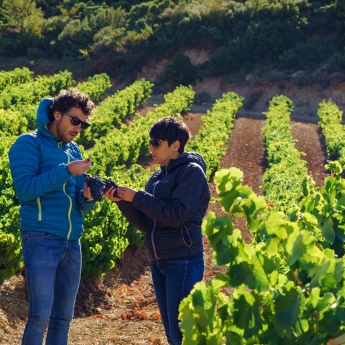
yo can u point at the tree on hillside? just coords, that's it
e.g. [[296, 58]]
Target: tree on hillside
[[180, 71], [21, 16], [21, 24]]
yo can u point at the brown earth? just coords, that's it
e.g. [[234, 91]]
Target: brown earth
[[121, 308]]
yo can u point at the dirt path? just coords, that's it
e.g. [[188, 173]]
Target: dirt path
[[310, 141], [246, 151]]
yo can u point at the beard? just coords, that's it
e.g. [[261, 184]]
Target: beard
[[65, 136]]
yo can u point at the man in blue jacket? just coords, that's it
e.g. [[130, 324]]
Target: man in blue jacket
[[47, 170]]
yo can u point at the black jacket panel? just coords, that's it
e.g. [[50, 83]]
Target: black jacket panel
[[171, 208]]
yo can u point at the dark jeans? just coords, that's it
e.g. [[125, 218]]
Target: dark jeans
[[52, 268], [173, 280]]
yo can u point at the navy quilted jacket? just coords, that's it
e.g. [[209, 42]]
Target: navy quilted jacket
[[171, 209]]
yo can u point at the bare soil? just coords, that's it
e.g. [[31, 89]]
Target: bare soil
[[121, 308]]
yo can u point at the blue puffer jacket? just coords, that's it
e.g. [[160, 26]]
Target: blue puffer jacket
[[50, 196], [171, 209]]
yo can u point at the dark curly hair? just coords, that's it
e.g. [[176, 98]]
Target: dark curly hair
[[72, 98]]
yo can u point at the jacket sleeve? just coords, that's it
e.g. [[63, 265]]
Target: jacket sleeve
[[133, 215], [190, 192], [24, 157], [84, 205]]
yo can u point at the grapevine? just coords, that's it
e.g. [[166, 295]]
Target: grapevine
[[98, 186]]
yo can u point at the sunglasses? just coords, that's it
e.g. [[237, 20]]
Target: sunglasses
[[155, 143], [76, 122]]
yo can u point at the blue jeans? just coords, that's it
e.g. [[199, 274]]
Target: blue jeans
[[52, 267], [173, 279]]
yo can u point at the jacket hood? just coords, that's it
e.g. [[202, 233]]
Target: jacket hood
[[187, 157], [43, 118]]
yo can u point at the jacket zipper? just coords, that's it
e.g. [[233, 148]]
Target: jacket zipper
[[69, 212], [70, 204], [39, 209], [153, 230], [152, 240]]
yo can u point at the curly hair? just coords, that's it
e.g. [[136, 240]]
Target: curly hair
[[72, 98]]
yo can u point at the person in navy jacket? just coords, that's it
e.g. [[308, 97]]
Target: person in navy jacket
[[170, 212], [47, 170]]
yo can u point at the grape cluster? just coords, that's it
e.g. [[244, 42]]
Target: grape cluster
[[108, 184], [98, 186]]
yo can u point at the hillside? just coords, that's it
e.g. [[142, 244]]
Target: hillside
[[121, 308], [257, 89], [120, 37]]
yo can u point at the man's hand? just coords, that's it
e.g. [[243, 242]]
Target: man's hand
[[87, 192], [79, 167]]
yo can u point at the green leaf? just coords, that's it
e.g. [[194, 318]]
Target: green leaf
[[249, 273], [247, 314], [298, 250], [219, 231], [327, 230], [286, 306], [276, 225], [300, 246], [335, 167]]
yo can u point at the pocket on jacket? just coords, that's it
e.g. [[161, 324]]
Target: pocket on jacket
[[187, 239]]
